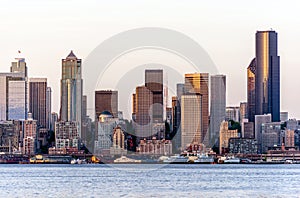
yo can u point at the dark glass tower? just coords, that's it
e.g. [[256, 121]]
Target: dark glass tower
[[251, 90], [267, 75]]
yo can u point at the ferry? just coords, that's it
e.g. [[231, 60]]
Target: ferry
[[50, 159], [176, 159], [126, 160], [204, 159], [232, 160]]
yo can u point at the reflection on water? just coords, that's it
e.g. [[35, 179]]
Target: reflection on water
[[145, 180]]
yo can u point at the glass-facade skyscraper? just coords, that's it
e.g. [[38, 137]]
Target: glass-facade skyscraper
[[251, 90], [198, 83], [267, 75], [13, 92], [217, 107], [71, 90]]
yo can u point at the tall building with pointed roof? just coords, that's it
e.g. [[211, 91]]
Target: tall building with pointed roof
[[71, 90]]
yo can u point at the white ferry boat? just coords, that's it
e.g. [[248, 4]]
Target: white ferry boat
[[176, 159], [204, 159], [125, 160], [232, 160]]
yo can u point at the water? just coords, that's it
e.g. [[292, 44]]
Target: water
[[150, 180]]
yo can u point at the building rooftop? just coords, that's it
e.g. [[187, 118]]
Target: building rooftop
[[71, 55]]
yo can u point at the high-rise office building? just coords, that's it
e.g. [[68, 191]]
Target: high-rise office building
[[198, 83], [13, 92], [243, 111], [267, 75], [37, 100], [259, 120], [217, 107], [176, 115], [48, 107], [251, 90], [71, 90], [191, 122], [106, 100], [16, 105], [143, 112], [154, 82]]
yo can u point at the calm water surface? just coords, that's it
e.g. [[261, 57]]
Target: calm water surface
[[150, 180]]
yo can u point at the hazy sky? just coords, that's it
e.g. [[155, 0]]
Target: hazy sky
[[45, 32]]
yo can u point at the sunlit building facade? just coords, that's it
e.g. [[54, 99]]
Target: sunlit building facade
[[191, 121], [251, 90], [198, 83], [143, 112], [267, 75], [71, 90]]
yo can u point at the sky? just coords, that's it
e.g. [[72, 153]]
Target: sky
[[46, 31]]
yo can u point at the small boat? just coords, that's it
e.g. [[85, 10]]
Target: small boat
[[74, 161]]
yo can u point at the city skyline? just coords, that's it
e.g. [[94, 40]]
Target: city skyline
[[237, 35]]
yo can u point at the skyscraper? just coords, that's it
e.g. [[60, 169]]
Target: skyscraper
[[267, 75], [191, 122], [13, 98], [48, 107], [71, 90], [154, 82], [217, 106], [37, 100], [106, 100], [17, 91], [197, 83], [251, 90], [143, 111], [176, 108]]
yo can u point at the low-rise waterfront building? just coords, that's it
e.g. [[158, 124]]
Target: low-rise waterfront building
[[242, 146], [155, 147]]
